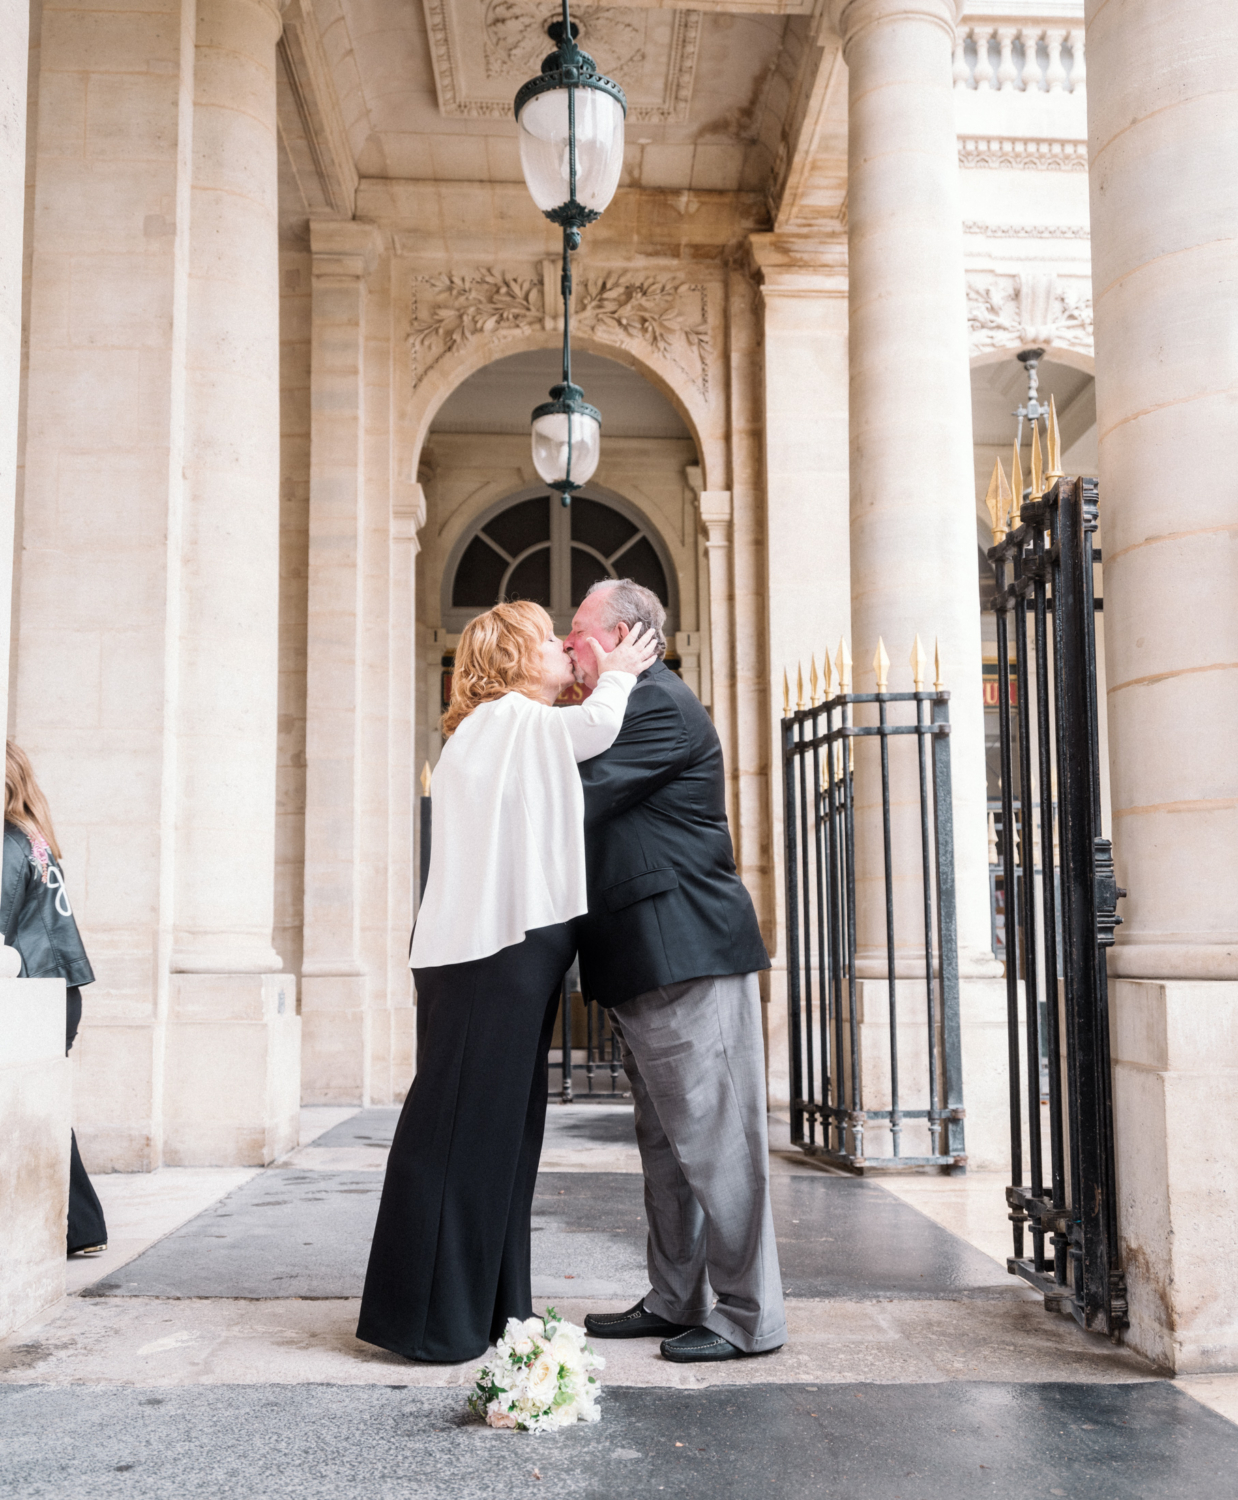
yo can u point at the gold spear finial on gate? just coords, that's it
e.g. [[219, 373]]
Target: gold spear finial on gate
[[786, 694], [918, 663], [1038, 481], [799, 685], [998, 500], [1054, 445], [814, 682], [843, 662], [829, 676], [1016, 485], [881, 665], [425, 779], [938, 684]]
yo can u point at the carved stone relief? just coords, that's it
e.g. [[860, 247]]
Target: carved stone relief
[[1034, 155], [1027, 231], [1029, 308], [651, 52], [662, 315], [516, 41]]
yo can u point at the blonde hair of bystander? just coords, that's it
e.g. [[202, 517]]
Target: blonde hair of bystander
[[24, 802], [499, 652]]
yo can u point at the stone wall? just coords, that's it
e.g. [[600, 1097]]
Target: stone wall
[[34, 1168]]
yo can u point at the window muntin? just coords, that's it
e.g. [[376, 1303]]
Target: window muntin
[[535, 548]]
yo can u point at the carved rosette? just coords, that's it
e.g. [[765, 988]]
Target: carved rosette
[[652, 314], [1014, 311]]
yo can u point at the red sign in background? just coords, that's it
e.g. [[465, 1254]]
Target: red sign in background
[[991, 686]]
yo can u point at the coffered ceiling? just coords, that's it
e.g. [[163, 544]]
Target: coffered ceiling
[[723, 96]]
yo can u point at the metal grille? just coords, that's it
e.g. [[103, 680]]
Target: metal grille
[[1064, 910], [598, 1074], [828, 1112]]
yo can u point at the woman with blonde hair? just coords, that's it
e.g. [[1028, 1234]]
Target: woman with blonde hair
[[37, 919], [494, 936]]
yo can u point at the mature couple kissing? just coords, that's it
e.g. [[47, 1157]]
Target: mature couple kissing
[[600, 829]]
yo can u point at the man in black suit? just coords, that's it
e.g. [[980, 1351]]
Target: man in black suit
[[671, 944]]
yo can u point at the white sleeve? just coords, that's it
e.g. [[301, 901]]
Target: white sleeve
[[594, 725]]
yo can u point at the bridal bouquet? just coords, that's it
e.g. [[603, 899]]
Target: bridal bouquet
[[539, 1377]]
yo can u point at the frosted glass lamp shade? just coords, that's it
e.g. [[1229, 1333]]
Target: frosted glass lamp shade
[[566, 445], [546, 149]]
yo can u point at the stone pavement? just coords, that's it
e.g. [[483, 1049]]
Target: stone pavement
[[211, 1351]]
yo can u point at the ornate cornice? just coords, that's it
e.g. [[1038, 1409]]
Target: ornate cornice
[[1028, 231], [1032, 154]]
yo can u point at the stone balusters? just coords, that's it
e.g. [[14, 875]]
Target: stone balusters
[[1055, 72], [1007, 73], [1021, 66]]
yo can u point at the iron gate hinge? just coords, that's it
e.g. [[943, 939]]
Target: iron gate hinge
[[1107, 892]]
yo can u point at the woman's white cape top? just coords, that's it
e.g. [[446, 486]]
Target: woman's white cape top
[[507, 850]]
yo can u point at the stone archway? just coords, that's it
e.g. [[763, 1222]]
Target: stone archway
[[477, 474], [671, 330]]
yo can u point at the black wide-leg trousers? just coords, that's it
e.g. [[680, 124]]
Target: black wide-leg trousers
[[450, 1259], [87, 1228]]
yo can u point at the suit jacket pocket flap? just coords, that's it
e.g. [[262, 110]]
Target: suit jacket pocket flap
[[639, 887]]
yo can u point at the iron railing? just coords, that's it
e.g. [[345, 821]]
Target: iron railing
[[1066, 911], [598, 1074], [828, 1112]]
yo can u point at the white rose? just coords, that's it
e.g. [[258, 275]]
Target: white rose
[[565, 1416], [542, 1380], [500, 1419], [522, 1346], [565, 1349]]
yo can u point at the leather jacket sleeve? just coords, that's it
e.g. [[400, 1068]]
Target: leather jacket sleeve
[[37, 917]]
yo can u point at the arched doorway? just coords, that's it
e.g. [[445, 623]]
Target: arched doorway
[[494, 531]]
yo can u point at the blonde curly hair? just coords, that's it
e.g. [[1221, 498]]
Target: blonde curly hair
[[499, 652]]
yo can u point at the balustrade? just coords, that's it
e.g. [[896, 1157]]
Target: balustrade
[[1019, 59]]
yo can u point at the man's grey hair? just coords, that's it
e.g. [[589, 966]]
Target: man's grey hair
[[628, 603]]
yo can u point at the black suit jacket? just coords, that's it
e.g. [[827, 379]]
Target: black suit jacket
[[665, 901]]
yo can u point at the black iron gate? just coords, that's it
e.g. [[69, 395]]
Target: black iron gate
[[598, 1074], [828, 1114], [1050, 760]]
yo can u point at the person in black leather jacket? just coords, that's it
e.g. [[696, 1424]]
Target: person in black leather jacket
[[37, 920]]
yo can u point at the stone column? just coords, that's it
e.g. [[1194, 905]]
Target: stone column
[[913, 530], [145, 680], [35, 1104], [714, 509], [1163, 148], [14, 61], [233, 1046], [333, 984], [101, 520], [804, 327]]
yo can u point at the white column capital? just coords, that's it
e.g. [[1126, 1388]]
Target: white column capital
[[850, 17], [344, 247], [793, 265], [408, 513], [715, 509]]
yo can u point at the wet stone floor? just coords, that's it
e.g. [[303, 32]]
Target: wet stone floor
[[211, 1352]]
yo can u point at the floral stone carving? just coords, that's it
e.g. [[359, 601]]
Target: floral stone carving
[[1031, 308], [664, 315]]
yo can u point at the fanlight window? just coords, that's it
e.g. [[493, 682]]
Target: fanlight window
[[538, 549]]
